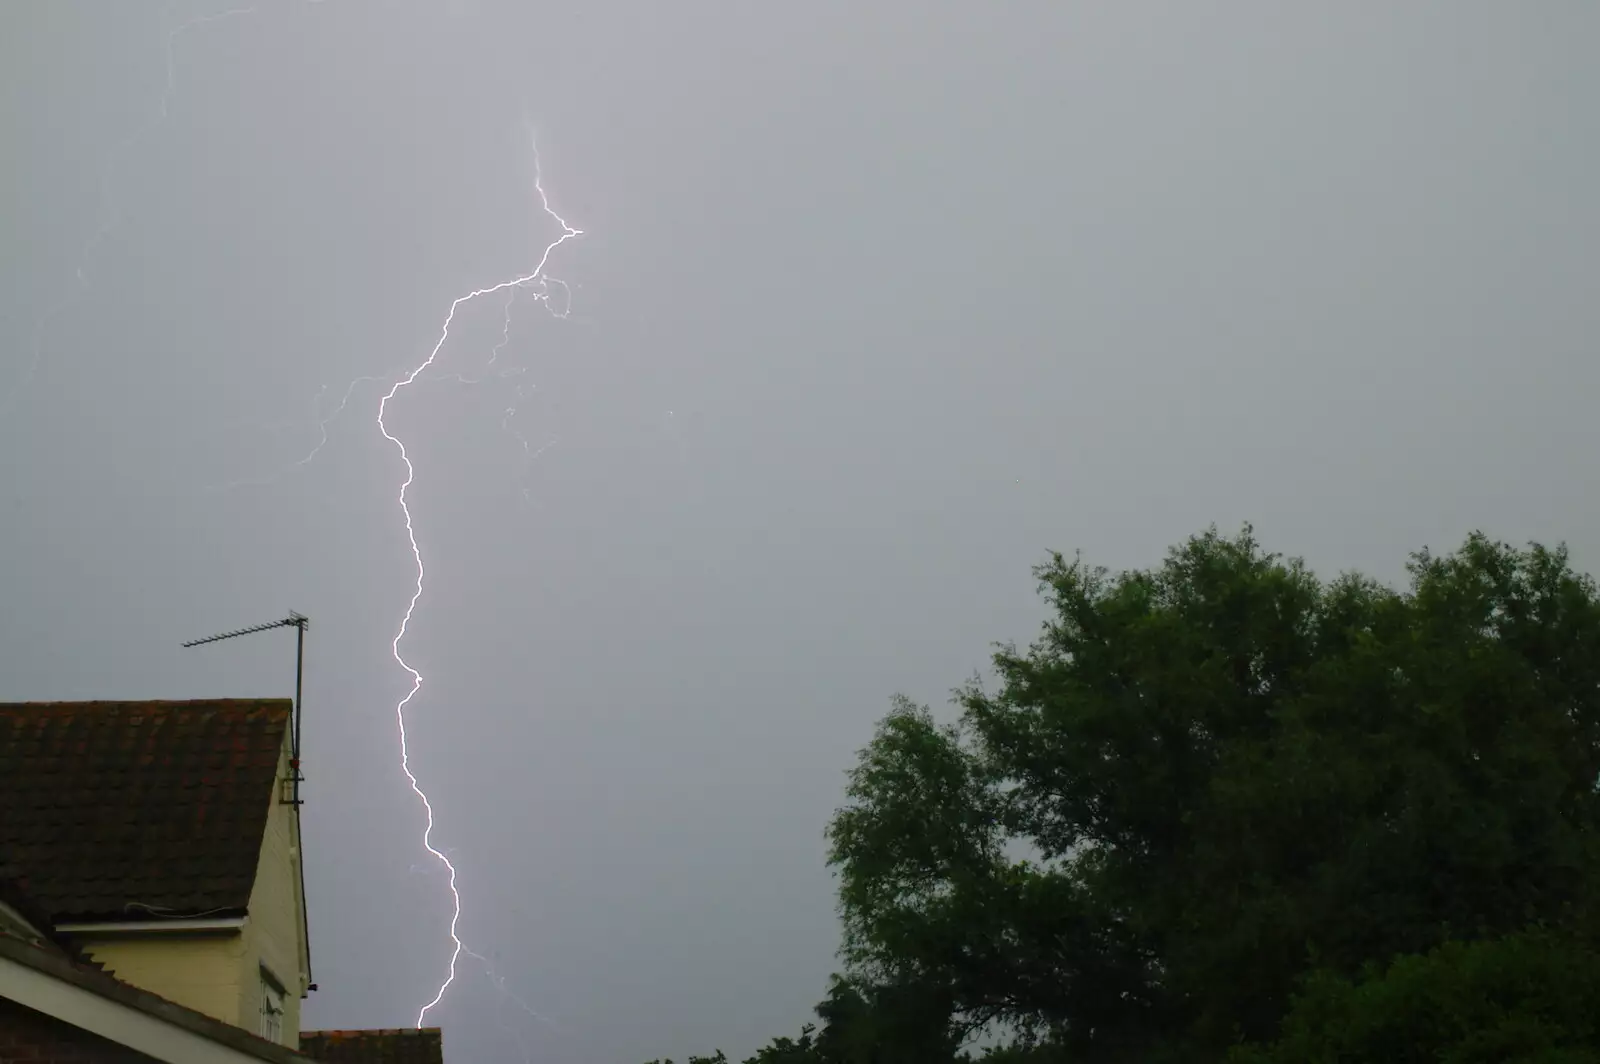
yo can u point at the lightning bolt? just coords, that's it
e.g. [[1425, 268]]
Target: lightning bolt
[[529, 453], [494, 352], [534, 280], [535, 283]]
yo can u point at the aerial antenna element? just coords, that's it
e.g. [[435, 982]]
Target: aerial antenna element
[[298, 622]]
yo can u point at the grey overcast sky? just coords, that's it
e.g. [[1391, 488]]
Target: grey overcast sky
[[878, 303]]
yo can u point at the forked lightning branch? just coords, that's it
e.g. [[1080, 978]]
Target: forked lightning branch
[[535, 283], [537, 280]]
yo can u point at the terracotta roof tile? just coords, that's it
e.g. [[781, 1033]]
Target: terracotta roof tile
[[134, 810], [409, 1045]]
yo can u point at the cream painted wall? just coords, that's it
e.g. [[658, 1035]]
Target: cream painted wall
[[153, 1037], [273, 932], [200, 970], [219, 973]]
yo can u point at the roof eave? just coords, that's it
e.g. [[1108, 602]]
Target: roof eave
[[96, 998], [177, 925]]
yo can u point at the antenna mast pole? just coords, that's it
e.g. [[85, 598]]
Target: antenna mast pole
[[299, 623]]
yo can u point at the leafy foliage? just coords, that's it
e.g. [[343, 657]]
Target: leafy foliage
[[1521, 999], [1213, 784]]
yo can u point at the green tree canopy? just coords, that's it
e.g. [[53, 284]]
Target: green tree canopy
[[1222, 805], [1532, 998], [1207, 780]]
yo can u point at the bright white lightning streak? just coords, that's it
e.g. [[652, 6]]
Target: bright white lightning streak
[[109, 219], [529, 452], [494, 352], [534, 276]]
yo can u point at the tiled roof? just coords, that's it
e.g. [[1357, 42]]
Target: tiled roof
[[138, 810], [14, 896], [409, 1045], [38, 928]]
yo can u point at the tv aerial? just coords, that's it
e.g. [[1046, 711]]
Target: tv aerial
[[299, 623]]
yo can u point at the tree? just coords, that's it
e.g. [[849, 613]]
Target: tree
[[1227, 774], [1520, 999], [863, 1025], [1223, 807], [885, 1023]]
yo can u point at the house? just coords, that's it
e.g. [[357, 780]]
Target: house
[[156, 845], [57, 1005], [160, 837]]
